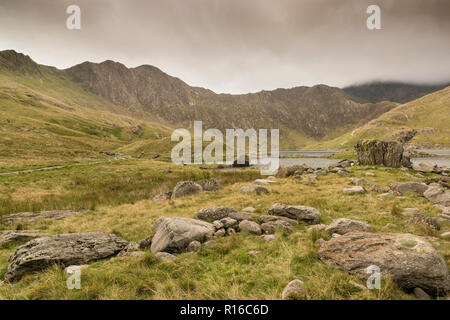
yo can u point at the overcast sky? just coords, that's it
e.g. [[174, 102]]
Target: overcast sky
[[240, 46]]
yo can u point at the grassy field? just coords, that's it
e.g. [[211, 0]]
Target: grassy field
[[119, 195]]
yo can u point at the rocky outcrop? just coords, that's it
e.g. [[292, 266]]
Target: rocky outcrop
[[409, 187], [10, 219], [344, 225], [9, 236], [387, 153], [299, 213], [174, 234], [186, 188], [409, 260], [214, 213], [65, 250]]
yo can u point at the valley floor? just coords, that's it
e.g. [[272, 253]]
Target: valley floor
[[119, 194]]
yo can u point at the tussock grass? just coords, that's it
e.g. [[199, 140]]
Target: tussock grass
[[226, 271]]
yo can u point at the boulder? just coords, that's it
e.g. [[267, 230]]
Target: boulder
[[421, 219], [354, 189], [344, 225], [175, 234], [387, 153], [438, 196], [145, 243], [250, 226], [409, 187], [8, 236], [210, 184], [186, 188], [239, 215], [426, 166], [214, 213], [193, 246], [255, 188], [292, 289], [165, 256], [65, 250], [299, 213], [272, 226], [409, 260], [10, 219], [229, 222]]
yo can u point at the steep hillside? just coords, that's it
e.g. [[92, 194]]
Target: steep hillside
[[429, 115], [391, 91], [303, 114]]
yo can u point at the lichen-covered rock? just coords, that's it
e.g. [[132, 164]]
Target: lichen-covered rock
[[421, 219], [409, 260], [214, 213], [299, 213], [255, 188], [409, 187], [30, 217], [344, 225], [210, 184], [292, 289], [376, 152], [8, 236], [65, 250], [354, 189], [186, 188], [250, 226], [438, 195], [175, 234], [272, 226]]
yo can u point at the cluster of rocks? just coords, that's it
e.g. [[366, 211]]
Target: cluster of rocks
[[187, 188]]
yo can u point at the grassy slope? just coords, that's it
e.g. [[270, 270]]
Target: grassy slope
[[226, 271], [430, 111], [50, 120]]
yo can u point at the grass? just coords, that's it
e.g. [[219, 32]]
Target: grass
[[226, 271]]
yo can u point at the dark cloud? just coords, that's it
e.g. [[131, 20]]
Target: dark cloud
[[241, 45]]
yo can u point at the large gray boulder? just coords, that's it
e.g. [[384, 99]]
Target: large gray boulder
[[438, 196], [426, 166], [174, 234], [387, 153], [409, 187], [250, 226], [409, 260], [344, 225], [65, 250], [186, 188], [214, 213], [299, 213]]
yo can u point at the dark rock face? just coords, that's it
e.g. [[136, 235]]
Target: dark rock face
[[387, 153], [64, 249], [409, 260]]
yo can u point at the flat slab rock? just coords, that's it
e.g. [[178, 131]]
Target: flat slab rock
[[174, 234], [10, 219], [409, 260], [299, 213], [8, 236], [64, 249]]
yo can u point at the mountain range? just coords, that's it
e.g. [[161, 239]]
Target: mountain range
[[97, 105]]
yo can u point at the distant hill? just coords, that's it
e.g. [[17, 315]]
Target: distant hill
[[391, 91], [429, 116]]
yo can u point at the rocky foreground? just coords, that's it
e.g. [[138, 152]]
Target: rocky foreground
[[352, 245]]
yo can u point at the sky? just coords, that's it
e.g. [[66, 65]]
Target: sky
[[241, 46]]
